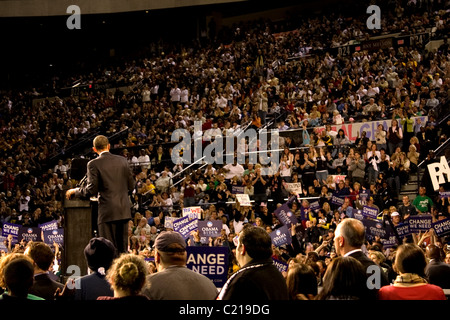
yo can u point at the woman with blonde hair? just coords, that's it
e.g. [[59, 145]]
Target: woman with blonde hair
[[127, 276]]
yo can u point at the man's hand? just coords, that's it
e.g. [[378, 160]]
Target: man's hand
[[70, 193]]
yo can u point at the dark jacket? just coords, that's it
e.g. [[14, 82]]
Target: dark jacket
[[260, 283], [110, 177], [45, 287], [91, 287], [438, 273]]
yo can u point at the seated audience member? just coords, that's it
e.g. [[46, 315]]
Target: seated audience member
[[14, 284], [437, 272], [174, 281], [410, 284], [258, 279], [127, 277], [301, 282], [42, 257], [345, 279]]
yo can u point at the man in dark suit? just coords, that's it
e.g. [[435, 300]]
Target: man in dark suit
[[348, 240], [258, 279], [437, 272], [42, 256], [109, 176]]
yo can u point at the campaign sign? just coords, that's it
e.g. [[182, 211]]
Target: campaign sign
[[389, 243], [369, 212], [51, 225], [444, 194], [375, 228], [403, 230], [10, 229], [281, 236], [237, 189], [185, 225], [337, 201], [314, 205], [441, 227], [285, 215], [357, 214], [281, 266], [51, 236], [364, 196], [244, 200], [210, 228], [168, 222], [29, 234], [2, 244], [419, 223], [295, 188], [193, 212], [211, 262]]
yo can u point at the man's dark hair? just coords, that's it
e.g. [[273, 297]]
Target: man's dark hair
[[101, 142], [257, 242], [410, 258], [41, 254], [19, 277]]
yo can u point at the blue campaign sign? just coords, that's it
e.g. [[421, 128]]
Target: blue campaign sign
[[281, 236], [29, 234], [210, 228], [442, 227], [369, 212], [419, 223], [10, 229], [337, 201], [376, 228], [211, 262], [51, 236], [51, 225], [403, 230], [281, 266], [185, 225], [285, 215]]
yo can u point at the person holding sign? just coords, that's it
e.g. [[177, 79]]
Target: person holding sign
[[258, 279], [174, 281]]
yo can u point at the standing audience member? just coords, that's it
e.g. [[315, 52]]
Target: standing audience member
[[258, 279], [174, 281], [437, 272], [345, 279], [301, 282], [127, 277], [42, 256], [410, 284]]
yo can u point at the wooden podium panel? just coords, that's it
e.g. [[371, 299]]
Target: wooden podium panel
[[77, 233]]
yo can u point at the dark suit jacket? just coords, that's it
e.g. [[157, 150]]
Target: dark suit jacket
[[261, 284], [91, 287], [367, 262], [438, 273], [45, 287], [109, 176]]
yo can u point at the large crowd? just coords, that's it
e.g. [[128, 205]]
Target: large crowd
[[254, 80]]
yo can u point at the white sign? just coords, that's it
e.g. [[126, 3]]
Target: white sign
[[295, 188], [437, 171], [243, 199]]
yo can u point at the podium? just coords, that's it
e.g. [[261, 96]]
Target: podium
[[78, 230]]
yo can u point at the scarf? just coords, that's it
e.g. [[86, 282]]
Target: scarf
[[406, 279]]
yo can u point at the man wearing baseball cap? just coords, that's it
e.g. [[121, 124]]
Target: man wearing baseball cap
[[174, 281]]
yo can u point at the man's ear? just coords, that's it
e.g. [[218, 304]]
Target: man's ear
[[157, 257], [242, 249]]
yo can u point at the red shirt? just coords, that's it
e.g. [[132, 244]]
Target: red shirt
[[422, 292]]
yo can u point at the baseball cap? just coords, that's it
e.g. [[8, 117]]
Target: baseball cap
[[395, 214], [170, 241]]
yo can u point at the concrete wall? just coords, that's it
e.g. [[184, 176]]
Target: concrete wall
[[39, 8]]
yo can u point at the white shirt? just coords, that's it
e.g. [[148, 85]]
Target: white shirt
[[353, 251]]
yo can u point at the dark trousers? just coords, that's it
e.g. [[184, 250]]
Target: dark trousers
[[116, 232]]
